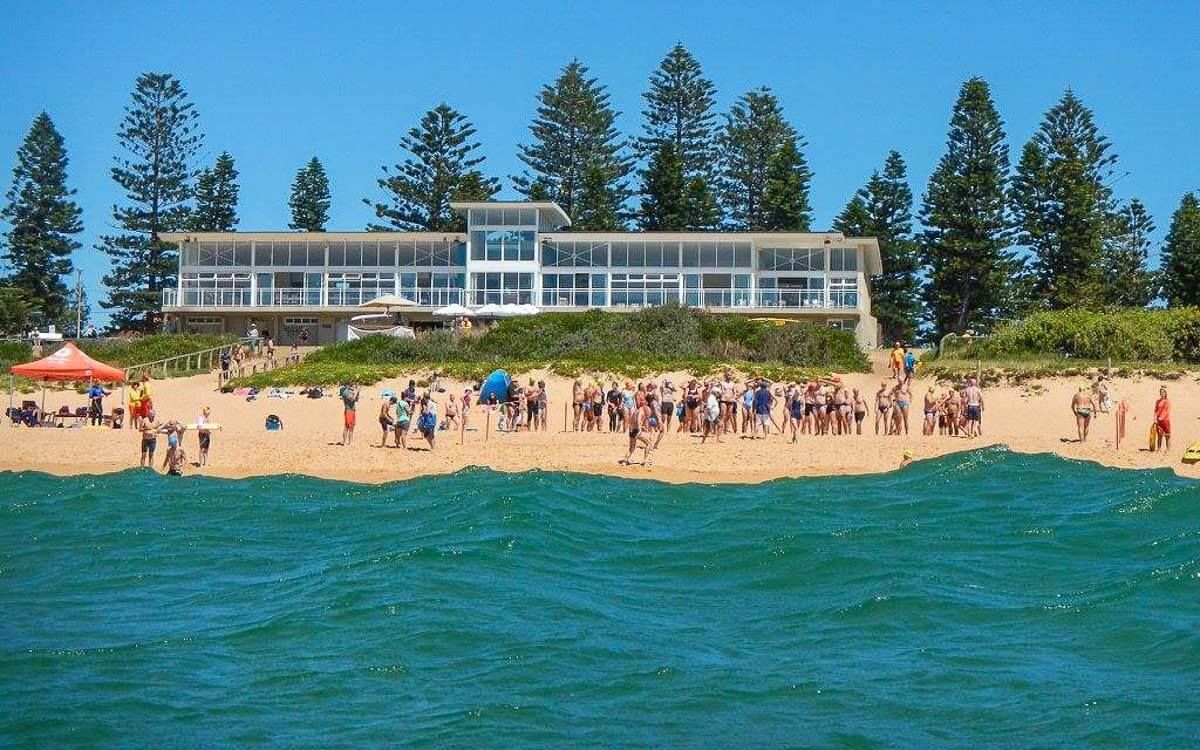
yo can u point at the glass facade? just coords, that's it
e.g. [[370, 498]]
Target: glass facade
[[516, 254], [503, 244]]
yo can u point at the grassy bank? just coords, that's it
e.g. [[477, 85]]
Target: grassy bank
[[115, 352], [1157, 343], [660, 339]]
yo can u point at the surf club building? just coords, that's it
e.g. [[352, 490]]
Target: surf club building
[[514, 253]]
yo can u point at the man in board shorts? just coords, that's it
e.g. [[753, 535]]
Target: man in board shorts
[[349, 395]]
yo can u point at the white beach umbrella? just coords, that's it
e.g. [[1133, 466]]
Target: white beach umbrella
[[454, 311], [520, 310], [387, 302]]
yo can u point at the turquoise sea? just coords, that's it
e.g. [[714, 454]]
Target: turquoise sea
[[988, 599]]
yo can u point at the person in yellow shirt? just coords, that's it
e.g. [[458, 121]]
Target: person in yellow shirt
[[135, 403], [145, 402], [897, 360]]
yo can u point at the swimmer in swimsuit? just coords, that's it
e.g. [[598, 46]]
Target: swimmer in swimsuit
[[1082, 405]]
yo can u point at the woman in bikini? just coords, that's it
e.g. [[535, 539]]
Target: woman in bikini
[[692, 402]]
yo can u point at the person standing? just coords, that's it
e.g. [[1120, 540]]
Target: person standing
[[1082, 406], [897, 360], [910, 364], [974, 398], [386, 422], [1162, 421], [204, 434], [349, 395], [543, 406], [96, 394], [402, 422], [427, 423], [763, 401]]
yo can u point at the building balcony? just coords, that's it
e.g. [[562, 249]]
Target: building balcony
[[721, 300], [236, 299]]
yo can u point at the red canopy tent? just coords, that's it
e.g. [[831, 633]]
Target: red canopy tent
[[68, 363]]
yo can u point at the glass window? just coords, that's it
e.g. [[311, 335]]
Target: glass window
[[708, 255], [725, 255], [370, 253], [620, 253], [742, 255], [387, 253], [206, 254], [691, 254], [353, 253], [670, 254], [190, 254], [637, 254], [843, 259], [241, 253]]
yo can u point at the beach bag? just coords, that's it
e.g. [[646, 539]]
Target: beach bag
[[274, 422]]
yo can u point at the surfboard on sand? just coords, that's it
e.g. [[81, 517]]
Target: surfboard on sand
[[206, 427]]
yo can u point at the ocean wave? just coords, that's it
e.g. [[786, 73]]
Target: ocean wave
[[1003, 595]]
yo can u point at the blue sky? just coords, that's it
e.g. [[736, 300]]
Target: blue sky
[[276, 83]]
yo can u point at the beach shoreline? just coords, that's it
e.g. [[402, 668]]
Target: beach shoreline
[[1027, 418]]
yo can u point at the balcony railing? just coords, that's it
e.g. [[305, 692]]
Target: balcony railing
[[705, 298], [734, 299], [235, 298]]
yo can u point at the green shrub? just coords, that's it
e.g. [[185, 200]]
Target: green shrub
[[1133, 335], [126, 353], [636, 344], [14, 353]]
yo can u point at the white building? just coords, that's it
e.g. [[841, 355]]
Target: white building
[[515, 252]]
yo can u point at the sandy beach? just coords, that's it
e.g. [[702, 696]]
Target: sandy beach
[[1033, 418]]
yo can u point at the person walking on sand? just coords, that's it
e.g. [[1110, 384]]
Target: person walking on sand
[[1162, 421], [974, 397], [896, 362], [640, 428], [348, 393], [1082, 406]]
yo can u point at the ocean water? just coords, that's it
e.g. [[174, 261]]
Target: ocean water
[[988, 599]]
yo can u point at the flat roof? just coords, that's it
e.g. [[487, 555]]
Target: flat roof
[[313, 236], [560, 216]]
